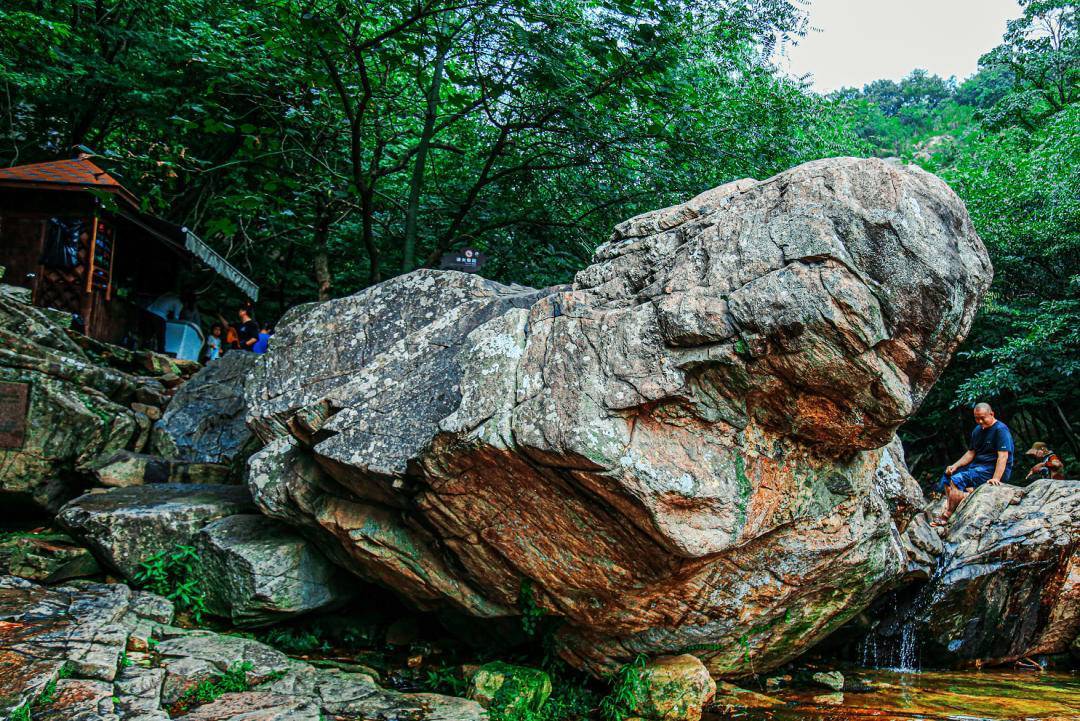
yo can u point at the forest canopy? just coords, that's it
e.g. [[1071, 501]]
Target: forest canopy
[[324, 145]]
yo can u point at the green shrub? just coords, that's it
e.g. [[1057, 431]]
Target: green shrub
[[531, 613], [628, 689], [233, 680], [173, 574]]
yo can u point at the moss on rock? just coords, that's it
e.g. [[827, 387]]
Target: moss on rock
[[509, 690]]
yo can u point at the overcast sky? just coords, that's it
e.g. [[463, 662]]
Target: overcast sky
[[857, 41]]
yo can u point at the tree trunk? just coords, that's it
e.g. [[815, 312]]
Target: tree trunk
[[321, 263], [408, 256]]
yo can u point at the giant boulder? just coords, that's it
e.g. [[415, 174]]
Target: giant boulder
[[689, 450]]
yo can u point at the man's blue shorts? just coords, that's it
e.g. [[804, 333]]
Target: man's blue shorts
[[968, 477]]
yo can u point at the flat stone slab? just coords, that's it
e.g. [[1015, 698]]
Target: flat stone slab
[[126, 526]]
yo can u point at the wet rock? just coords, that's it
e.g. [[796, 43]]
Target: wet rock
[[205, 421], [509, 689], [922, 545], [828, 679], [729, 698], [836, 698], [61, 649], [676, 689], [126, 526], [1008, 581], [256, 571], [689, 449], [124, 468]]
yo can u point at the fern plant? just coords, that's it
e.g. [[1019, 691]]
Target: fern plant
[[174, 575], [628, 690]]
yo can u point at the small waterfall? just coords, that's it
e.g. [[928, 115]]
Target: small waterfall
[[896, 642], [909, 647]]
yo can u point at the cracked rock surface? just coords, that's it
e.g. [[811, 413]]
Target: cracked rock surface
[[255, 570], [81, 654], [1006, 583], [690, 449], [205, 421]]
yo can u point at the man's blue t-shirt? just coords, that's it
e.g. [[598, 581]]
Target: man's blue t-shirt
[[986, 442]]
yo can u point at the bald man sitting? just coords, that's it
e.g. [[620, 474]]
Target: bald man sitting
[[989, 459]]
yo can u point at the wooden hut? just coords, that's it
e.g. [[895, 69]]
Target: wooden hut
[[79, 241]]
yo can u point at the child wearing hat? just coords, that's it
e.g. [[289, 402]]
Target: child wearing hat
[[1049, 464]]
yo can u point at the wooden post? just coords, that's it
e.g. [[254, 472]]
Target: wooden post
[[112, 258], [90, 257], [35, 296], [88, 301]]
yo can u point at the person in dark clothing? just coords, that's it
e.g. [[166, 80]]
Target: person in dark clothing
[[247, 331], [989, 459]]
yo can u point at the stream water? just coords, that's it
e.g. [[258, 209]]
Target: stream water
[[893, 695]]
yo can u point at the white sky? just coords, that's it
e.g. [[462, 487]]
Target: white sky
[[857, 41]]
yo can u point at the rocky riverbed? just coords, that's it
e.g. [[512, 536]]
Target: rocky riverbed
[[678, 473]]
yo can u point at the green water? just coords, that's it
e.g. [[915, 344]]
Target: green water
[[993, 695]]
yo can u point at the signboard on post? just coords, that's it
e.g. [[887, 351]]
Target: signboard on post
[[466, 260], [13, 406]]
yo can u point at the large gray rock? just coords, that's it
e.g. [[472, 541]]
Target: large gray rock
[[257, 571], [205, 421], [687, 450], [126, 526], [1007, 581], [73, 641]]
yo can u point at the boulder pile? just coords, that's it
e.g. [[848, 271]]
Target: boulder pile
[[69, 401]]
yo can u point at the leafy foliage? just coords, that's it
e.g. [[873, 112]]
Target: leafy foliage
[[443, 679], [173, 574], [1006, 140], [628, 689], [234, 679], [383, 133], [531, 613]]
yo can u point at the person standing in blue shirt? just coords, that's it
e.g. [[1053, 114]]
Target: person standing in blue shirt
[[263, 343], [989, 459]]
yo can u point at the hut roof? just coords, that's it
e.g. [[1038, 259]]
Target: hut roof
[[80, 174]]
